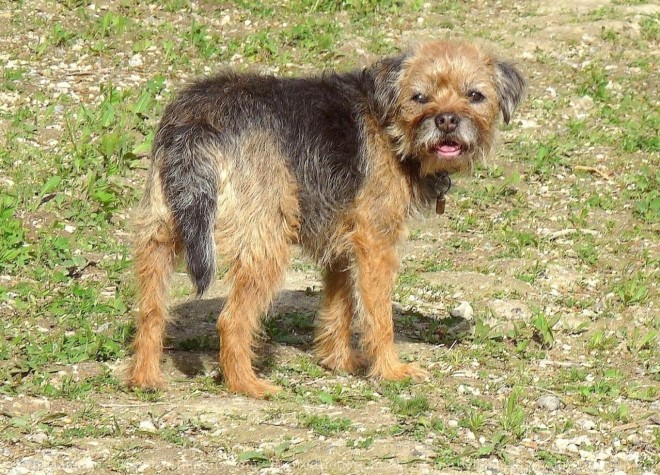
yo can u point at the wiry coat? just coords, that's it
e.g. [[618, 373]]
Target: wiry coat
[[245, 165]]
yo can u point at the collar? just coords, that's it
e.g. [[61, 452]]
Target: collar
[[441, 186]]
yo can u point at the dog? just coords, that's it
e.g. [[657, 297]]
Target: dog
[[244, 166]]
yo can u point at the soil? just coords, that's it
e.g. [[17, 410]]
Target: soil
[[196, 427]]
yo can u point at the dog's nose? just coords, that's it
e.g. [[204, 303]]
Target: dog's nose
[[447, 122]]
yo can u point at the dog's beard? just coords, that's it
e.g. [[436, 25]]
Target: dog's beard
[[451, 152]]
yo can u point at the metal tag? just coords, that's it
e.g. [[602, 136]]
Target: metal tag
[[440, 205]]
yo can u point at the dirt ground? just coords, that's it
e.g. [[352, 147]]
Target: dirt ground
[[505, 397]]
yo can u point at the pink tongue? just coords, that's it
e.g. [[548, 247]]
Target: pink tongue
[[450, 150]]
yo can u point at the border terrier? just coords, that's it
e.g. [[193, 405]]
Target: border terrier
[[243, 166]]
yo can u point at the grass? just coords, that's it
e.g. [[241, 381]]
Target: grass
[[325, 425], [564, 220]]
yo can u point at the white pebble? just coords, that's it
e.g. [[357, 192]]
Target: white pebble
[[464, 310], [147, 426], [86, 463], [135, 61], [549, 402]]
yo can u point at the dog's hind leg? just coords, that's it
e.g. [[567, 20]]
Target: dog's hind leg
[[254, 281], [256, 227], [155, 252], [333, 334]]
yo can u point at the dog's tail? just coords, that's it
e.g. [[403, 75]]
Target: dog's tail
[[189, 178]]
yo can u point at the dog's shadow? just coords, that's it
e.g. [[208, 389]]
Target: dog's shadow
[[192, 333]]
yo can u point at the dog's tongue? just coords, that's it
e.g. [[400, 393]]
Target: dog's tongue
[[449, 150]]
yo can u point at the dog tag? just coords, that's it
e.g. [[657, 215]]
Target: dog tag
[[440, 205]]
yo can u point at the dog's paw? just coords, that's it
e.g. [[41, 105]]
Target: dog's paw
[[147, 380], [400, 372], [349, 362], [254, 387]]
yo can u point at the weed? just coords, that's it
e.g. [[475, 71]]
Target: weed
[[364, 443], [551, 459], [543, 328], [483, 332], [77, 119], [60, 36], [632, 291], [601, 340], [410, 407], [513, 418], [324, 425], [255, 457], [473, 421], [650, 28], [595, 84]]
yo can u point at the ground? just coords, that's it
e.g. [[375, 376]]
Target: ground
[[533, 301]]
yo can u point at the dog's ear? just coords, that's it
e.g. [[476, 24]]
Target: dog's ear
[[510, 88], [385, 75]]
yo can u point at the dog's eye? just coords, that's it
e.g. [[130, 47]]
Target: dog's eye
[[420, 98], [476, 97]]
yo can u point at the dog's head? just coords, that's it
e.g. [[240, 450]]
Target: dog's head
[[440, 102]]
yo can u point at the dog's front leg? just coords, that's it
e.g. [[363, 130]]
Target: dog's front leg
[[376, 265]]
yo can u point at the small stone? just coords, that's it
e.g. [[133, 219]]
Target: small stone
[[143, 468], [40, 437], [588, 38], [135, 60], [528, 124], [549, 402], [587, 424], [586, 455], [86, 463], [102, 328], [19, 471], [583, 103], [464, 310], [147, 426], [509, 309], [655, 406]]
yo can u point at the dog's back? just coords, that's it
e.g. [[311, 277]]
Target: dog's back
[[242, 136]]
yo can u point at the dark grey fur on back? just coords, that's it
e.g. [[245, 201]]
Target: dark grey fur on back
[[317, 121], [319, 127]]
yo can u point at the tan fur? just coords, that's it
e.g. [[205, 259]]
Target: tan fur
[[154, 260], [358, 251], [333, 339]]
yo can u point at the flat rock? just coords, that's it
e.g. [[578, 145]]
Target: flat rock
[[559, 278], [509, 309], [464, 310], [549, 402]]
